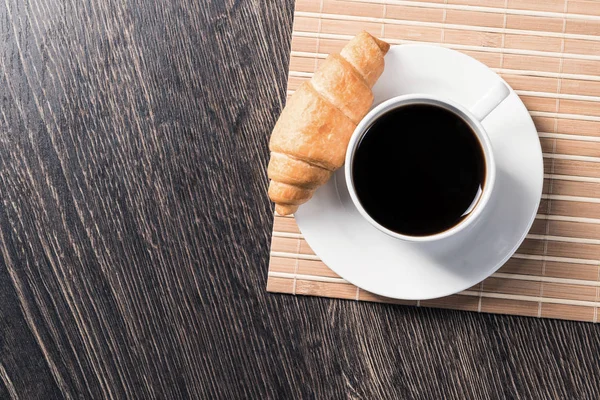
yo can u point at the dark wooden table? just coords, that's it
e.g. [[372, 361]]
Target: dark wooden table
[[135, 229]]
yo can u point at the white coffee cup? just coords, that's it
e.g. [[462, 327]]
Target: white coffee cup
[[472, 117]]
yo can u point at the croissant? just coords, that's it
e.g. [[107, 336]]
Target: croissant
[[310, 137]]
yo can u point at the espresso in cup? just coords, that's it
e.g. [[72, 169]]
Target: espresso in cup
[[419, 169]]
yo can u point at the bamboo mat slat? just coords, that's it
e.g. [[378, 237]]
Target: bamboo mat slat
[[549, 52]]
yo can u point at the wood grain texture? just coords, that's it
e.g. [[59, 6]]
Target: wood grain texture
[[135, 229]]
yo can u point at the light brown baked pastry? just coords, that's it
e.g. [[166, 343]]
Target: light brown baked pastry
[[310, 138]]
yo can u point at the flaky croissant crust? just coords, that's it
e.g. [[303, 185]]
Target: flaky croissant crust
[[310, 138]]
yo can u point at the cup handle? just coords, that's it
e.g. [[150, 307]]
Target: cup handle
[[490, 100]]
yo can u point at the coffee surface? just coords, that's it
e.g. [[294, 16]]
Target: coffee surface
[[419, 170]]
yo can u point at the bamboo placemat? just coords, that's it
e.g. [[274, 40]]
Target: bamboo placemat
[[549, 51]]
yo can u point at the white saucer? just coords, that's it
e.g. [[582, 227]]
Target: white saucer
[[378, 263]]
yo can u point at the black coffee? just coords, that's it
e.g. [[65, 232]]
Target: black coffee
[[419, 170]]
